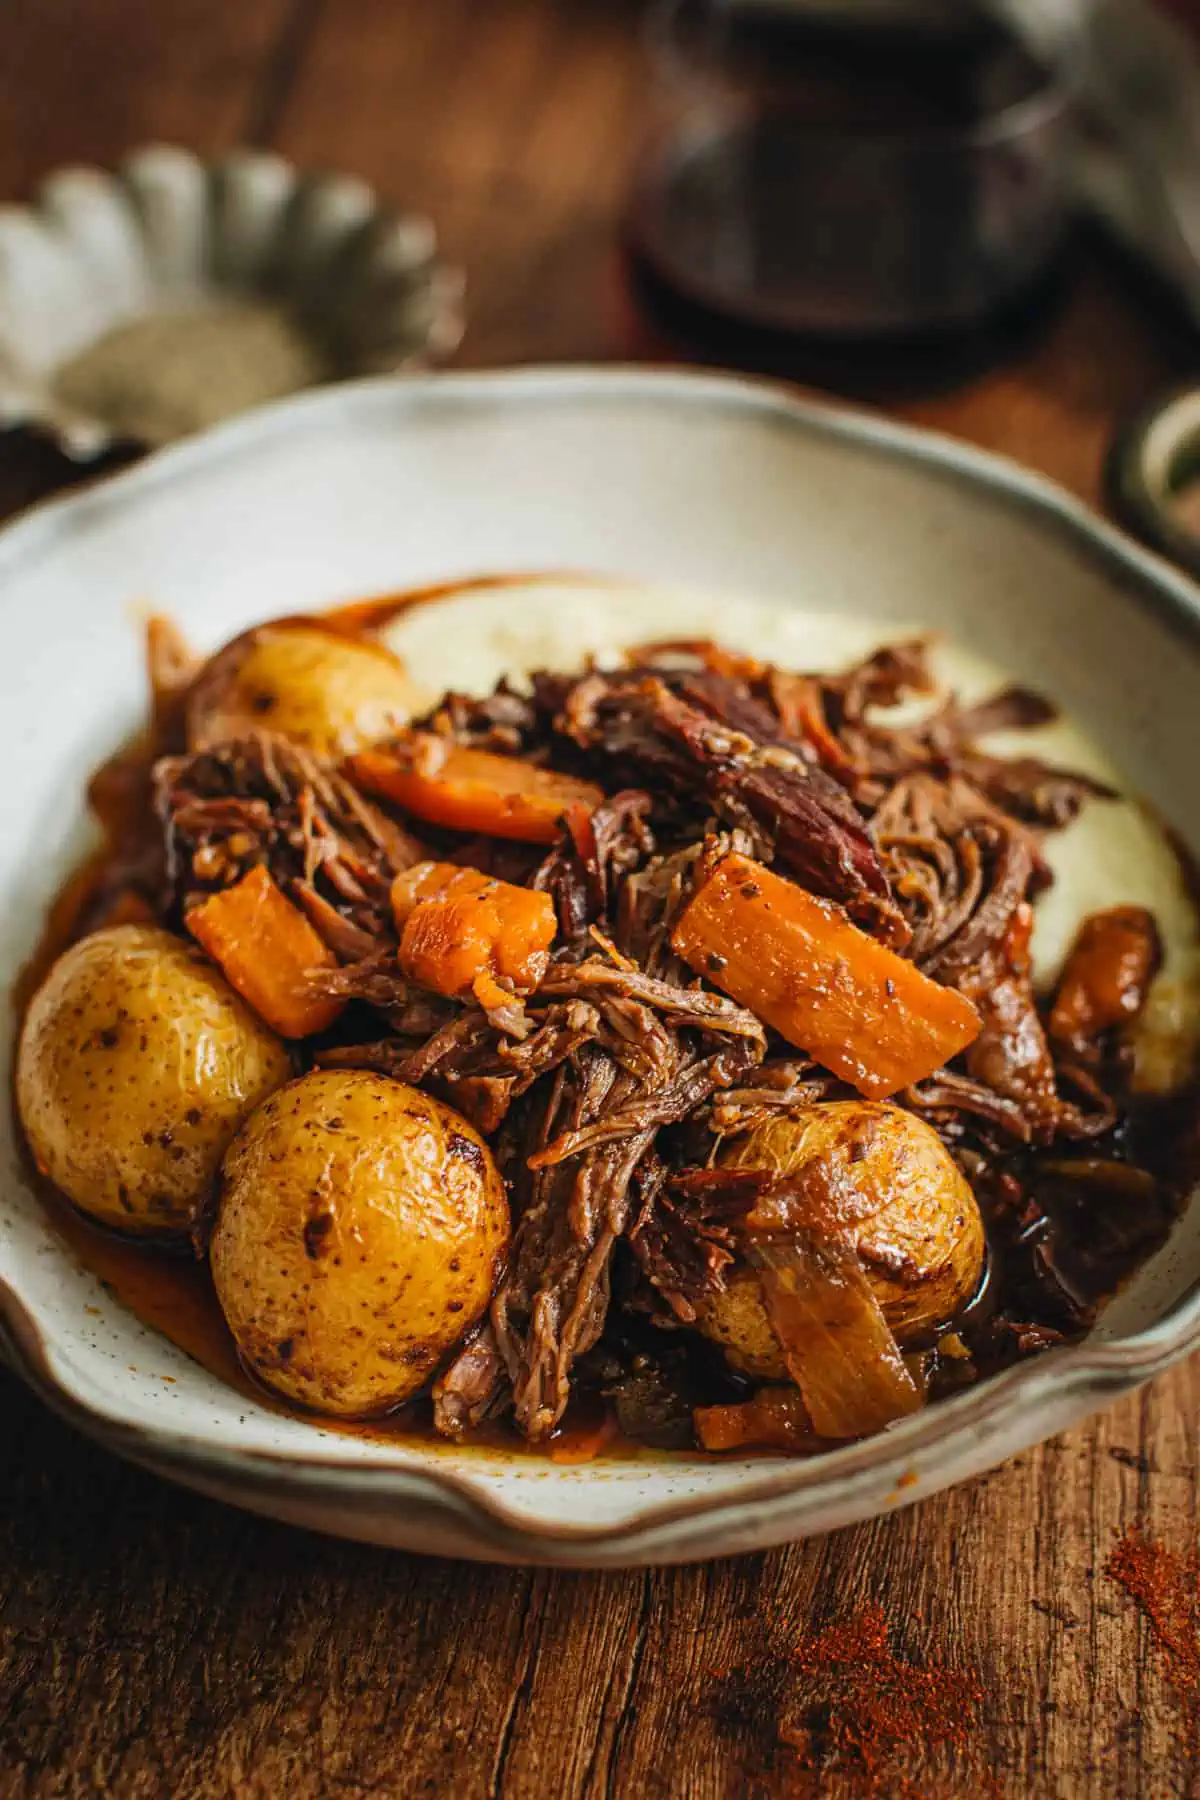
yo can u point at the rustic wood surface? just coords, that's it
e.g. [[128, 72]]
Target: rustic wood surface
[[154, 1644]]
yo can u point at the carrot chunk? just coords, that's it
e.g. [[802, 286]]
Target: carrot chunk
[[462, 930], [473, 790], [798, 962], [775, 1418], [266, 948], [583, 1444], [1107, 975]]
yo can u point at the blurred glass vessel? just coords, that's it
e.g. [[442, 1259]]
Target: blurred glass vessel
[[886, 169]]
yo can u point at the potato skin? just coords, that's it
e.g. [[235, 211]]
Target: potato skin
[[326, 690], [916, 1223], [361, 1229], [137, 1064]]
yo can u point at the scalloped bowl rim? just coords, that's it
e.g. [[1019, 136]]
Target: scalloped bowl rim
[[776, 1500], [29, 397]]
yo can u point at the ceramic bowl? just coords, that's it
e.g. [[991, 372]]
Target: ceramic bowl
[[719, 483], [138, 306], [1153, 475]]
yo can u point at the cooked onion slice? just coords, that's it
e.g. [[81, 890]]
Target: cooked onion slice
[[808, 971], [838, 1346]]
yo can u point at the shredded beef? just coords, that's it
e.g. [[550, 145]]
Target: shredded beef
[[666, 1105], [681, 1007], [648, 728], [608, 1091], [584, 873], [468, 1390], [551, 1303], [955, 1104], [649, 1063], [780, 1087], [266, 801], [689, 1238], [504, 720], [648, 907], [928, 840]]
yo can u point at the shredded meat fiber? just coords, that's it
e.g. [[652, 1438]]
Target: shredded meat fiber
[[608, 1089]]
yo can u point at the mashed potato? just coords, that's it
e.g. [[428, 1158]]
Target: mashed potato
[[1115, 853]]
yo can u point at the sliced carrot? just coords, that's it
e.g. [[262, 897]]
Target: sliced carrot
[[773, 1419], [266, 948], [823, 984], [459, 927], [473, 790], [1107, 975], [583, 1444]]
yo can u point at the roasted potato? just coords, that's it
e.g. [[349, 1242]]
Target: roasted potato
[[329, 691], [913, 1218], [361, 1229], [137, 1064]]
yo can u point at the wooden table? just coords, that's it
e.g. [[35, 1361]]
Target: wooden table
[[153, 1644]]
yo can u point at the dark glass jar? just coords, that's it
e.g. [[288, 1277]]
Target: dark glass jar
[[878, 170]]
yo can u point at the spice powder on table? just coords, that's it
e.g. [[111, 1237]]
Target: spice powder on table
[[858, 1719], [1166, 1587]]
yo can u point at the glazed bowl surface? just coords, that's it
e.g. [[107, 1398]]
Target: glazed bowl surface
[[709, 482]]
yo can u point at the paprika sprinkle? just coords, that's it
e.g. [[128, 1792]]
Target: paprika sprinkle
[[874, 1721], [1166, 1587]]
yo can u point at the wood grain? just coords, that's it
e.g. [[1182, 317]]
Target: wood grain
[[154, 1644]]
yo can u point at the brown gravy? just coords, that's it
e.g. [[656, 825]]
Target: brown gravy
[[172, 1293], [165, 1289]]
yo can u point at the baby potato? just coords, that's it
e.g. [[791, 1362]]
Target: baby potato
[[137, 1064], [361, 1229], [324, 689], [911, 1215]]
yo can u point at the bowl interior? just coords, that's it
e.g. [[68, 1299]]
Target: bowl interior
[[715, 484]]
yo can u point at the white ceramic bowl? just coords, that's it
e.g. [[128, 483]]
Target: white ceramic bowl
[[718, 483]]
